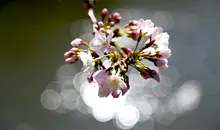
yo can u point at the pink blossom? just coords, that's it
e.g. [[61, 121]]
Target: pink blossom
[[149, 51], [101, 44], [163, 52], [160, 38], [88, 64], [146, 26], [109, 84], [77, 42], [161, 63]]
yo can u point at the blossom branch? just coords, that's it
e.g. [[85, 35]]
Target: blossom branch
[[89, 5], [105, 44]]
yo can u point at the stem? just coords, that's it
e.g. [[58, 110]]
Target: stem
[[92, 18], [134, 66], [138, 41], [118, 46], [146, 46], [99, 58], [136, 45], [143, 65]]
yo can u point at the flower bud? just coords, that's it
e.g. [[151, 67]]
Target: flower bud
[[154, 75], [164, 67], [71, 60], [115, 15], [112, 24], [126, 50], [68, 54], [100, 24], [104, 13], [145, 75], [133, 23], [77, 42], [118, 20], [160, 62], [109, 18], [133, 34]]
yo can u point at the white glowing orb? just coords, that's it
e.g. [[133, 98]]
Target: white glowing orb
[[172, 73], [188, 95], [127, 117], [50, 99], [68, 84], [82, 107], [78, 79], [152, 100], [89, 94], [66, 72], [106, 108], [163, 88], [164, 115], [145, 110], [69, 98]]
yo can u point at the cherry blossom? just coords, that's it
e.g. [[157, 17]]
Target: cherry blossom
[[88, 64], [109, 84], [101, 43]]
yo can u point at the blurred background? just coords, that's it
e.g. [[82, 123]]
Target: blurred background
[[34, 34]]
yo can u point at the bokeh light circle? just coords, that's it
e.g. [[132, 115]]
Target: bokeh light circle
[[50, 99]]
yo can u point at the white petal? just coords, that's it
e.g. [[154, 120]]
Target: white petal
[[157, 33], [83, 56]]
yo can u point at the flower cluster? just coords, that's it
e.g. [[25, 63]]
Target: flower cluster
[[113, 79]]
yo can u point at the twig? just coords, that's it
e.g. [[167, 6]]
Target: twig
[[89, 4], [92, 18]]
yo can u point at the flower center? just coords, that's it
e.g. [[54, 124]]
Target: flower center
[[104, 44], [114, 80]]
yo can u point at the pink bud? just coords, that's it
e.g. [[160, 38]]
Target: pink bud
[[96, 27], [109, 18], [108, 27], [116, 15], [118, 20], [112, 24], [164, 67], [71, 60], [145, 75], [133, 23], [161, 62], [104, 13], [154, 75], [134, 35], [100, 24], [76, 42], [68, 54], [126, 50]]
